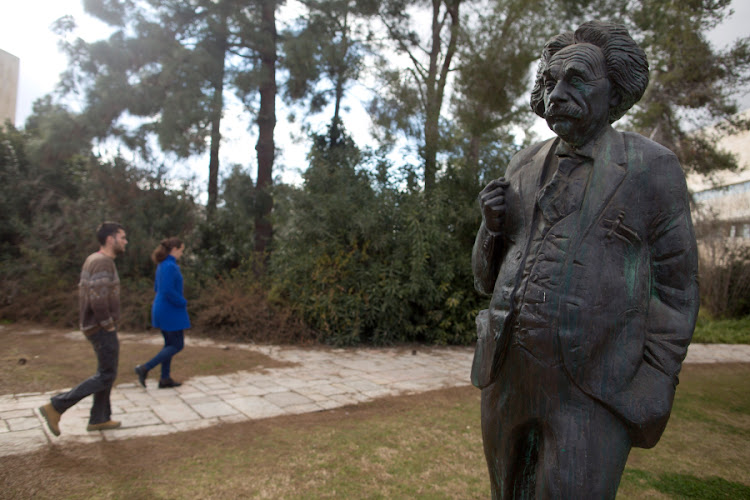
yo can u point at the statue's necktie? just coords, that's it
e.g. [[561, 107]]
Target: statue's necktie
[[563, 194]]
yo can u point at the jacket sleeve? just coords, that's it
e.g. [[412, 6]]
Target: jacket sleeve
[[485, 260], [170, 285], [673, 303]]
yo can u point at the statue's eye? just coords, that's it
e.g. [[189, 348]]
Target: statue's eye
[[549, 85], [577, 82]]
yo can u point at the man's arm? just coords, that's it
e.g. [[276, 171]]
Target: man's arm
[[674, 298], [101, 286], [672, 309]]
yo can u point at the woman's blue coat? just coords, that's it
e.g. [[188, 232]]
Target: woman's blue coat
[[169, 311]]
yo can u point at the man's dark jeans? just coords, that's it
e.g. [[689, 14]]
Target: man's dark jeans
[[107, 349]]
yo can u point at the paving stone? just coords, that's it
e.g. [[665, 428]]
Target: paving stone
[[22, 423], [284, 399], [364, 385], [330, 404], [234, 419], [250, 390], [193, 394], [344, 399], [26, 403], [14, 443], [6, 415], [133, 432], [256, 407], [139, 419], [163, 395], [209, 379], [314, 395], [68, 439], [201, 423], [213, 409], [293, 382], [175, 412], [343, 388], [330, 389], [202, 399], [380, 393], [299, 409], [71, 425]]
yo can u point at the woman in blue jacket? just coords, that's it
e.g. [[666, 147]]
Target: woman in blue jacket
[[169, 311]]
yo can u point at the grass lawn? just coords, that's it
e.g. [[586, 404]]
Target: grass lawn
[[722, 331], [424, 446]]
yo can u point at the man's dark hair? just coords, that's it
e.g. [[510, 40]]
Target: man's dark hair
[[627, 65], [107, 229]]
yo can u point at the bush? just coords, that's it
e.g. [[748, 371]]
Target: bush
[[238, 307], [724, 273], [367, 261]]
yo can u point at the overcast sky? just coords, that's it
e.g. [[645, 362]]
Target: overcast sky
[[25, 32]]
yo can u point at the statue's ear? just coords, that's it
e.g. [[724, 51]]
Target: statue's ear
[[539, 108], [614, 98]]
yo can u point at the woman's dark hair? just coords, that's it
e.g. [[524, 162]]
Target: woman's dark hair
[[165, 247]]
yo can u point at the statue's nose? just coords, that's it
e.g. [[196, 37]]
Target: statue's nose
[[559, 92]]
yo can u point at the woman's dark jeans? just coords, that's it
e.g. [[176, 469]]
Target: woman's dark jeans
[[173, 343], [107, 349]]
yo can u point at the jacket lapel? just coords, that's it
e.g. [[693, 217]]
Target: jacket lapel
[[608, 173], [529, 178]]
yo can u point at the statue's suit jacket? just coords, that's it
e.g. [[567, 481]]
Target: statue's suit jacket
[[629, 289]]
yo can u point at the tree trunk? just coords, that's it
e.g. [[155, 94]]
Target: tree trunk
[[217, 107], [437, 77], [266, 123]]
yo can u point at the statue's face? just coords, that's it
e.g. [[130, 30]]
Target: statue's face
[[577, 93]]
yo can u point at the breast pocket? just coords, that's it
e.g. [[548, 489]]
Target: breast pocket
[[614, 227], [624, 257]]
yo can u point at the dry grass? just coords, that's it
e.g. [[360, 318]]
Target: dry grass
[[46, 359]]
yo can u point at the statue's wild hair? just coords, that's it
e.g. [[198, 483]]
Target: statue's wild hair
[[626, 62]]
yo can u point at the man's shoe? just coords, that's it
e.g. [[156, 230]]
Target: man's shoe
[[110, 424], [168, 382], [52, 417], [142, 373]]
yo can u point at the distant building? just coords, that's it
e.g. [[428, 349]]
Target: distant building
[[722, 201], [9, 65]]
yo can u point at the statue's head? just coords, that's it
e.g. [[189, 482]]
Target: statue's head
[[588, 79]]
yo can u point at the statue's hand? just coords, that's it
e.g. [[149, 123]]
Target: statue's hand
[[492, 203]]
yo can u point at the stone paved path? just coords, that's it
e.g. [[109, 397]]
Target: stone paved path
[[319, 380]]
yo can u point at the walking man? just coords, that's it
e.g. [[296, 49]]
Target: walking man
[[99, 302]]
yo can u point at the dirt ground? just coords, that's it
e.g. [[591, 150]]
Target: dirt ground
[[39, 359]]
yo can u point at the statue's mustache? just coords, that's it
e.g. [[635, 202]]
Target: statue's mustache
[[562, 110]]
